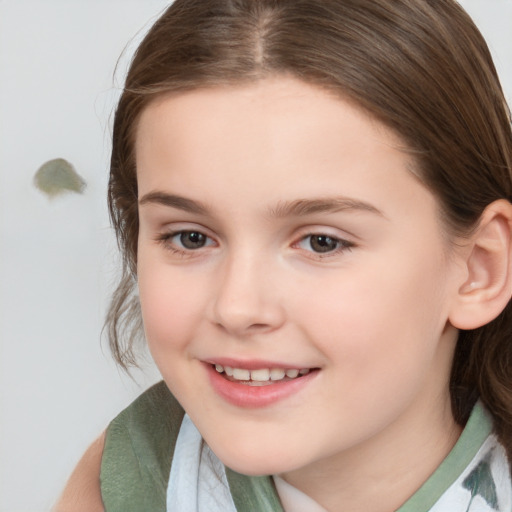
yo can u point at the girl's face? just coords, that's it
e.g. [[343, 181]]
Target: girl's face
[[295, 281]]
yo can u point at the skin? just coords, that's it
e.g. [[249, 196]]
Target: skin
[[372, 314], [377, 313], [82, 492]]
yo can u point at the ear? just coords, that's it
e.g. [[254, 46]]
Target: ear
[[488, 269]]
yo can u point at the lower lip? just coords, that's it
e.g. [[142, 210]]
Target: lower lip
[[244, 395]]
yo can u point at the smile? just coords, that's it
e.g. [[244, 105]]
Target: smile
[[262, 376], [257, 387]]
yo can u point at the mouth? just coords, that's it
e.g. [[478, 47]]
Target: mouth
[[261, 376]]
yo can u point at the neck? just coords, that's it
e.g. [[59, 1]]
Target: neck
[[382, 473]]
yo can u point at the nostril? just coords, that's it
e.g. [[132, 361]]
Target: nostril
[[258, 326]]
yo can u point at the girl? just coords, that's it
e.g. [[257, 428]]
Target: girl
[[312, 202]]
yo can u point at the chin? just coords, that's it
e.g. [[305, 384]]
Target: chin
[[255, 465]]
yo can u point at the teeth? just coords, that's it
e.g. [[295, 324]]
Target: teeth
[[240, 374], [261, 375], [277, 374]]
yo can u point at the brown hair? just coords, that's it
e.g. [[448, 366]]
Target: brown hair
[[419, 66]]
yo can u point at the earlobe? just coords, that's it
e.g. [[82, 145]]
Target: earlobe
[[488, 261]]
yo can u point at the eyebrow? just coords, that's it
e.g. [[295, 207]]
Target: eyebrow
[[303, 207], [296, 208], [174, 201]]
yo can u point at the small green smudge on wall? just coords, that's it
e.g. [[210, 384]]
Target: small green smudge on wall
[[57, 177]]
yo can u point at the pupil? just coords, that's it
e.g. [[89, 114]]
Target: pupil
[[322, 243], [192, 239]]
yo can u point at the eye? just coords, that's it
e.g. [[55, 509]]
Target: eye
[[191, 239], [322, 244], [185, 240]]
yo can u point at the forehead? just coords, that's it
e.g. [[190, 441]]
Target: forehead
[[271, 97], [273, 114], [275, 140]]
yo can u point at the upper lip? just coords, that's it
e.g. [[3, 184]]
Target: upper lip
[[253, 364]]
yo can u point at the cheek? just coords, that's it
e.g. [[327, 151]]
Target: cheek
[[170, 308], [388, 315], [380, 347]]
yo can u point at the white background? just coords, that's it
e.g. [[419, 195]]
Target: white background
[[59, 387]]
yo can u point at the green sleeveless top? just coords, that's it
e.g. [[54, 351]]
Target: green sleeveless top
[[139, 448], [137, 457]]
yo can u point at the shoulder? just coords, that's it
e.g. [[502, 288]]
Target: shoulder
[[138, 451], [130, 460], [151, 421], [127, 467], [82, 492], [153, 407]]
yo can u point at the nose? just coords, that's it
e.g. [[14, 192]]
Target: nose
[[247, 299]]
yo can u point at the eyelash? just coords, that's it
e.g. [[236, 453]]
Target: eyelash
[[341, 245], [165, 239]]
